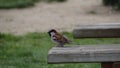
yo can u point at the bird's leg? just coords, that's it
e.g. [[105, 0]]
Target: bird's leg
[[59, 45]]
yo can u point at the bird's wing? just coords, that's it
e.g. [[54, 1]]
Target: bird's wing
[[68, 40]]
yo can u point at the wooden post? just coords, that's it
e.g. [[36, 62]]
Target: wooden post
[[116, 65], [107, 65], [110, 65]]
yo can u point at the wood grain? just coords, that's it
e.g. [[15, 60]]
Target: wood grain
[[97, 31], [90, 53]]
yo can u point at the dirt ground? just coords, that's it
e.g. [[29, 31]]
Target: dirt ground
[[61, 16]]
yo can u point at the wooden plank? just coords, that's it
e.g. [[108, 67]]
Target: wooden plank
[[76, 54], [97, 31]]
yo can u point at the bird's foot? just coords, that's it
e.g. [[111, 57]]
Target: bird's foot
[[59, 46]]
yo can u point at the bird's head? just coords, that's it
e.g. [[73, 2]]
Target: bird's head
[[52, 31]]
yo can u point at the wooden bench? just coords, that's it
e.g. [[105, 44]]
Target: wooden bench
[[97, 31], [107, 55]]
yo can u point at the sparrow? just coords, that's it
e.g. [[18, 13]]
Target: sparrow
[[59, 39]]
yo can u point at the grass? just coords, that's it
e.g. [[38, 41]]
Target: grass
[[8, 4], [114, 3], [30, 50]]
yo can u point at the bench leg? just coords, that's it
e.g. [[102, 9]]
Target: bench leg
[[117, 65], [106, 65]]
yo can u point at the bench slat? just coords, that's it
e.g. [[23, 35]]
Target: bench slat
[[77, 54], [97, 31]]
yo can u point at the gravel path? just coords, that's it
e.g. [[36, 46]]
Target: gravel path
[[61, 16]]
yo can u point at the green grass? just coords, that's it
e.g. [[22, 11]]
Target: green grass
[[8, 4], [114, 3], [30, 50]]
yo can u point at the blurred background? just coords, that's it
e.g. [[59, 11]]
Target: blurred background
[[22, 16], [24, 42]]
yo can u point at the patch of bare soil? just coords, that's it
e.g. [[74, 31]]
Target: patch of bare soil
[[61, 16]]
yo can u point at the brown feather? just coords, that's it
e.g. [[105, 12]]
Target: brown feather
[[60, 38]]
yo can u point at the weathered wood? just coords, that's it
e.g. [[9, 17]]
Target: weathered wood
[[116, 65], [76, 54], [110, 65], [107, 65], [97, 31]]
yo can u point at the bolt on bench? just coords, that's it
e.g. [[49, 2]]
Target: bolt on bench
[[107, 55]]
